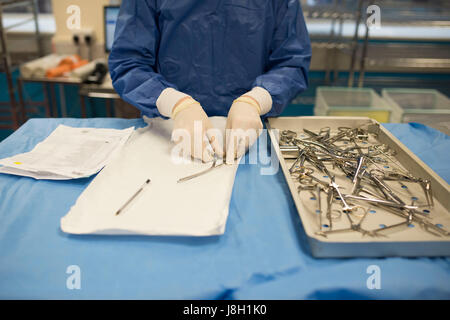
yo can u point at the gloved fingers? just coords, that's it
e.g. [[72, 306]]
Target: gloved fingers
[[239, 141], [228, 125], [190, 148], [231, 144], [230, 151], [191, 125], [246, 142], [210, 141], [181, 137], [241, 147], [235, 147], [252, 138], [227, 139], [177, 136], [208, 151], [201, 149], [229, 147], [215, 139]]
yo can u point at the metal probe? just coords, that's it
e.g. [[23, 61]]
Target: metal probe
[[134, 196]]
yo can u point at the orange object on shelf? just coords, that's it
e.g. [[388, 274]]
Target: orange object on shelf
[[66, 65]]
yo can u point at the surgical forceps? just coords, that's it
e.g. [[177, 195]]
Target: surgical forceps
[[306, 177], [353, 226], [195, 175]]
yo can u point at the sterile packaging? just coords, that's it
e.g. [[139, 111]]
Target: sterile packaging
[[67, 153]]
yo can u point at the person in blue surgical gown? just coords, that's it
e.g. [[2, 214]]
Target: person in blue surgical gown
[[192, 59]]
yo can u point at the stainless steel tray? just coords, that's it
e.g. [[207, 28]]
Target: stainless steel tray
[[412, 241]]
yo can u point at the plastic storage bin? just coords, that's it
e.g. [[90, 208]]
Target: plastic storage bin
[[351, 102], [425, 106]]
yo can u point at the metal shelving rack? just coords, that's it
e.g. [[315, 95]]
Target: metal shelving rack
[[359, 55], [11, 106], [421, 57], [339, 11], [334, 42]]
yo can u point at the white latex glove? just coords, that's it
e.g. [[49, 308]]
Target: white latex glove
[[203, 142], [243, 129]]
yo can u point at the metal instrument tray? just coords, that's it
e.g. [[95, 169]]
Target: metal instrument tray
[[412, 241]]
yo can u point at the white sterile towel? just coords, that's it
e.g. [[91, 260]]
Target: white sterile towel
[[197, 207]]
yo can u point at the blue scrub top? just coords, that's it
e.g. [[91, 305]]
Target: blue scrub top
[[213, 50]]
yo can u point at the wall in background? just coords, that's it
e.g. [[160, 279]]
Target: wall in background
[[91, 18]]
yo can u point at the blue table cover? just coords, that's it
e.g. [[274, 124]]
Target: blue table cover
[[263, 253]]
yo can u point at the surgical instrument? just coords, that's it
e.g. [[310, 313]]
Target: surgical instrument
[[357, 155], [195, 175], [133, 197]]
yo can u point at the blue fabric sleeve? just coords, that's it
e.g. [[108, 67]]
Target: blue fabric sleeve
[[132, 61], [290, 56]]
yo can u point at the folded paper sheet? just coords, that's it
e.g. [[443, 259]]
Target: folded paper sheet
[[198, 207], [68, 153]]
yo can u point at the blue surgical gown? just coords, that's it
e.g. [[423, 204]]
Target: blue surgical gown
[[213, 50]]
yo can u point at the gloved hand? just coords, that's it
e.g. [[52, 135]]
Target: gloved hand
[[243, 127], [192, 123], [192, 129]]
